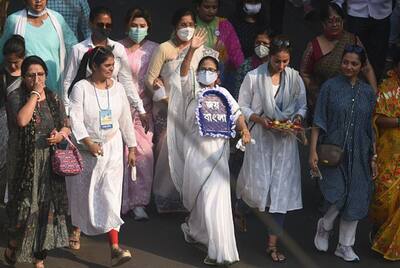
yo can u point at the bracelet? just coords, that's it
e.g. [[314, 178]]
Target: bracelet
[[33, 92], [374, 157]]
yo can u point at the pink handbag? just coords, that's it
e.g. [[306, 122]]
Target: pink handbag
[[67, 162]]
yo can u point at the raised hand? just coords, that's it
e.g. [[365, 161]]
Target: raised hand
[[199, 38]]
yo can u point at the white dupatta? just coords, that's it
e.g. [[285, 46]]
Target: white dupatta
[[290, 88], [20, 28]]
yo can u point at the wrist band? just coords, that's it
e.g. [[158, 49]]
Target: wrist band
[[33, 92]]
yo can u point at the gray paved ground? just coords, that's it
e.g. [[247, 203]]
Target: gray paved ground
[[159, 242]]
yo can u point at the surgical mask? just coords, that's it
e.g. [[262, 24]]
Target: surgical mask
[[35, 14], [252, 9], [261, 51], [185, 34], [137, 34], [102, 33], [207, 78]]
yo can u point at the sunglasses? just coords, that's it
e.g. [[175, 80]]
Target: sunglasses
[[104, 25], [353, 48], [281, 43]]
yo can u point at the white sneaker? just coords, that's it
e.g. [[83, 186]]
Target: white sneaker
[[140, 214], [346, 253], [186, 235], [321, 239]]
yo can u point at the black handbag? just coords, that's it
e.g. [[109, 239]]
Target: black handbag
[[331, 155]]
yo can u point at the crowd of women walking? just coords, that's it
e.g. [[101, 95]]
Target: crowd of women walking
[[143, 120]]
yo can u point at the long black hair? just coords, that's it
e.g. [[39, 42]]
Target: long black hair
[[92, 57]]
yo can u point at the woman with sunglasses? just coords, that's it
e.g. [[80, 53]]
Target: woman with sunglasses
[[101, 25], [206, 191], [37, 208], [101, 122], [343, 117], [47, 35], [272, 92], [322, 57], [163, 82]]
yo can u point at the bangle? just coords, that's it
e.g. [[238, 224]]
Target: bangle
[[33, 92]]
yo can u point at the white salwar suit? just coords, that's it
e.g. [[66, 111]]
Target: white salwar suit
[[271, 173], [96, 193], [206, 182]]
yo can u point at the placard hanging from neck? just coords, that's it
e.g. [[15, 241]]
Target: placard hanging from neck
[[214, 114]]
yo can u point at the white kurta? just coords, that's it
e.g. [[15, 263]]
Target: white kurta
[[122, 71], [206, 190], [95, 195], [271, 173]]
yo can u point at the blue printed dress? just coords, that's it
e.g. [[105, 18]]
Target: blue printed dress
[[348, 186]]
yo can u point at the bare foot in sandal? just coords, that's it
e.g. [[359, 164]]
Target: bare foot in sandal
[[275, 255], [75, 239]]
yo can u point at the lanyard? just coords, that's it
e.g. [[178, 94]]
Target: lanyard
[[97, 98]]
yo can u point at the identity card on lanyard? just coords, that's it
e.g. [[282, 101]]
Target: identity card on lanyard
[[105, 115]]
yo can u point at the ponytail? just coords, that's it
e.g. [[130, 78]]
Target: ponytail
[[94, 56]]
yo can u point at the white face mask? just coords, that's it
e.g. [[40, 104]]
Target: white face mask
[[252, 9], [185, 34], [207, 78], [261, 51]]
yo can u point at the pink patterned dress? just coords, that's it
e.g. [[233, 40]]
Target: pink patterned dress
[[137, 193]]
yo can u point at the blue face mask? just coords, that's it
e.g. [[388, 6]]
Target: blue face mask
[[137, 34]]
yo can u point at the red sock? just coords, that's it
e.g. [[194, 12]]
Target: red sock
[[113, 237]]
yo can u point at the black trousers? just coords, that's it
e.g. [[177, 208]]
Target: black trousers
[[374, 34]]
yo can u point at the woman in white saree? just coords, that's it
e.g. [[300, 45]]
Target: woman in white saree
[[270, 177], [163, 80], [206, 190]]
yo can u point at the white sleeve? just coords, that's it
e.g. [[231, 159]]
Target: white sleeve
[[70, 73], [246, 94], [125, 122], [301, 102], [131, 89], [77, 113]]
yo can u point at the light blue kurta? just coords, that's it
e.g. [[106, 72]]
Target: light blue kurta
[[43, 41]]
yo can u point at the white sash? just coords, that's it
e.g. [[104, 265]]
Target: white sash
[[290, 88], [20, 28]]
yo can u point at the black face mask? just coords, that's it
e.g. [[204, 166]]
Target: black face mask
[[102, 33]]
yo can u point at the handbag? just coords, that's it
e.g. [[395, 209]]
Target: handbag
[[67, 162], [331, 155]]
